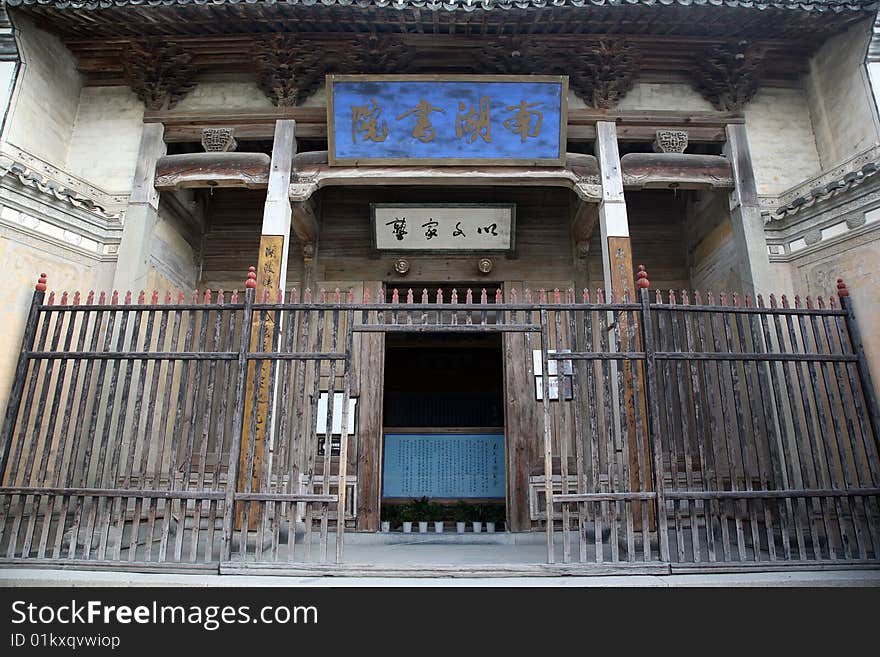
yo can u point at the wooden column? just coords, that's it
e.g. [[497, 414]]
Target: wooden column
[[745, 215], [271, 277], [619, 278], [141, 214], [371, 373]]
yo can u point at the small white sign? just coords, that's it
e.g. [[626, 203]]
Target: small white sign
[[553, 367], [412, 227], [321, 424]]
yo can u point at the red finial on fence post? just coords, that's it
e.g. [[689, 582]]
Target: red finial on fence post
[[41, 283], [251, 282], [842, 290], [642, 281]]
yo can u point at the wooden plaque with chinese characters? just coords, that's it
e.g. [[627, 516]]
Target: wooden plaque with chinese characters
[[446, 119], [443, 227]]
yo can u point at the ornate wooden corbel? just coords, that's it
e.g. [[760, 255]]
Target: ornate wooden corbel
[[519, 56], [374, 55], [603, 72], [158, 73], [728, 74], [289, 70]]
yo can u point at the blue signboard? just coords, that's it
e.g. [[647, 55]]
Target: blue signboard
[[443, 465], [394, 119]]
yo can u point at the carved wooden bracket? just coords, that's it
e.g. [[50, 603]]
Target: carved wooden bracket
[[374, 55], [158, 72], [600, 72], [604, 72], [728, 75], [290, 68]]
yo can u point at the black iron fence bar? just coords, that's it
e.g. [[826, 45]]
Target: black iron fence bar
[[442, 307], [446, 328], [139, 307], [763, 356], [597, 355], [238, 417], [309, 355], [132, 355], [20, 378], [758, 494], [604, 497], [653, 410], [116, 492], [746, 310], [284, 497], [858, 347]]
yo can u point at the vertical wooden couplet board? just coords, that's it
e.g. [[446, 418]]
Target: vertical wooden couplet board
[[619, 279], [268, 279], [271, 278]]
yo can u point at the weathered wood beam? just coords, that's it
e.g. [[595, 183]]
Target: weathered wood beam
[[199, 170], [141, 214], [619, 279], [745, 216], [309, 178], [305, 221], [271, 278], [585, 220], [311, 123]]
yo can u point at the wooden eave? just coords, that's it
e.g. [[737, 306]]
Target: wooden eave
[[220, 36]]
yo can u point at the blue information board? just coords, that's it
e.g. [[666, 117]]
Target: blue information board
[[443, 465], [456, 120]]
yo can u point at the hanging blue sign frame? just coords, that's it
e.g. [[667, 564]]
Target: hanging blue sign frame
[[446, 120]]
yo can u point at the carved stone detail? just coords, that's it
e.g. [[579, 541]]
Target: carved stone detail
[[219, 140], [813, 236], [670, 141], [728, 75], [158, 73], [855, 220]]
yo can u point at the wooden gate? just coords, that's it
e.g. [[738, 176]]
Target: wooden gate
[[125, 439], [702, 434], [675, 433]]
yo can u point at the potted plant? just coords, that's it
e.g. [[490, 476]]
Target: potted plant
[[461, 512], [495, 515], [406, 514], [389, 516], [421, 512], [477, 515], [437, 511]]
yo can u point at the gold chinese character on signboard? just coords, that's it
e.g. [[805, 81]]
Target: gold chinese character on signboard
[[423, 130], [473, 123], [365, 120], [526, 122]]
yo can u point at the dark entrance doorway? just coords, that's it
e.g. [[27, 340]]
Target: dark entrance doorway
[[437, 381], [443, 412]]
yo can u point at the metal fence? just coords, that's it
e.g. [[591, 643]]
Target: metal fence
[[672, 430]]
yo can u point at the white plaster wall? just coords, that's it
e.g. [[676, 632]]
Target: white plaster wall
[[661, 96], [106, 137], [221, 96], [781, 139], [840, 100], [23, 258], [46, 96]]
